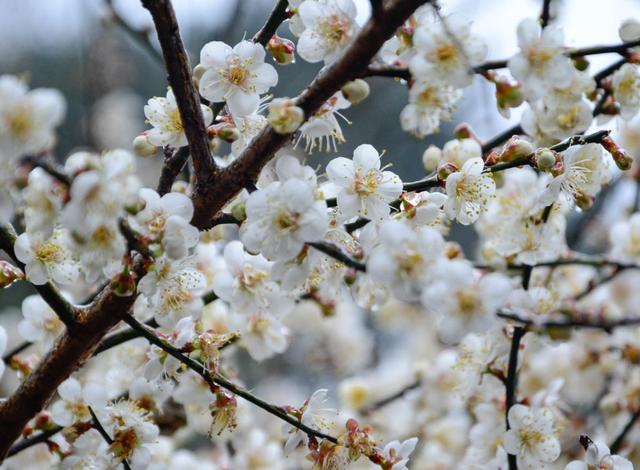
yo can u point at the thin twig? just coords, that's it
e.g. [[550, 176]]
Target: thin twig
[[391, 398], [34, 440], [277, 16], [214, 379], [103, 432], [619, 440], [336, 253], [511, 382], [584, 322], [545, 15]]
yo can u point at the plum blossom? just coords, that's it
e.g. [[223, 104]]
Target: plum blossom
[[40, 323], [329, 26], [626, 90], [281, 217], [166, 220], [429, 104], [439, 56], [27, 118], [164, 116], [531, 437], [468, 192], [236, 75], [541, 62], [625, 239], [365, 189], [397, 453], [322, 129], [599, 456], [46, 260], [75, 400], [403, 258], [312, 413]]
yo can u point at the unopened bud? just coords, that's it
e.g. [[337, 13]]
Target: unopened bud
[[515, 149], [198, 72], [282, 50], [508, 93], [545, 159], [225, 131], [142, 147], [445, 169], [9, 274], [350, 276], [464, 131], [620, 156], [239, 211], [124, 284], [581, 63], [431, 158], [583, 201], [492, 158], [284, 116], [453, 250], [356, 91]]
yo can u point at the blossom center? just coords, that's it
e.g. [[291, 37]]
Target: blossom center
[[20, 123], [367, 184], [334, 29]]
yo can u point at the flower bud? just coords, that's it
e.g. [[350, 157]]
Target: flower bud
[[142, 147], [445, 169], [581, 63], [545, 158], [492, 158], [356, 91], [225, 131], [239, 211], [124, 284], [515, 149], [464, 131], [583, 201], [282, 50], [9, 274], [431, 158], [620, 156], [508, 93], [284, 116]]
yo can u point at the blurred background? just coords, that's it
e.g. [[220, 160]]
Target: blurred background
[[80, 48]]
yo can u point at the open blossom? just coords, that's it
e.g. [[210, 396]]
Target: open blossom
[[263, 333], [550, 121], [313, 414], [40, 324], [46, 260], [281, 217], [403, 258], [429, 104], [236, 75], [75, 400], [27, 118], [626, 90], [586, 169], [540, 64], [329, 26], [259, 452], [365, 189], [531, 437], [464, 302], [599, 456], [43, 201], [625, 239], [445, 54], [322, 130], [166, 220], [469, 191], [396, 453], [164, 116], [246, 283]]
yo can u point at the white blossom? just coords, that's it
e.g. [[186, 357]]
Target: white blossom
[[531, 437], [468, 192]]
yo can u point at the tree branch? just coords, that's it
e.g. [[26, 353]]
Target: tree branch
[[214, 379], [68, 353], [584, 322], [225, 184], [181, 81], [336, 253], [619, 440], [277, 16]]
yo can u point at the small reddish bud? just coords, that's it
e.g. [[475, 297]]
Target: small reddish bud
[[445, 169], [620, 156], [282, 50], [515, 149], [9, 274]]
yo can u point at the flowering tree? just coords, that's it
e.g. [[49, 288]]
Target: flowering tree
[[524, 357]]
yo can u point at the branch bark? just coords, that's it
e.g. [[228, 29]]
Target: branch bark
[[180, 78], [225, 184]]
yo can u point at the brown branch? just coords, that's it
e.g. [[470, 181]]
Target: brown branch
[[214, 379], [172, 167], [545, 15], [225, 184], [181, 81], [68, 353], [584, 322], [277, 16], [50, 293], [619, 440], [391, 398]]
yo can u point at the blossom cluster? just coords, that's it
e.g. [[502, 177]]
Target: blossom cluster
[[438, 356]]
